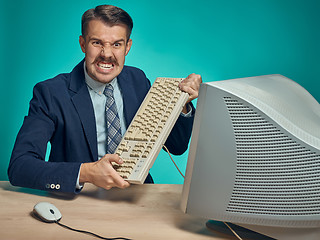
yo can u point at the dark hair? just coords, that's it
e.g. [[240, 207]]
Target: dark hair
[[110, 15]]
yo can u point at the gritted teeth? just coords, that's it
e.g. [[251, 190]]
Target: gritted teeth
[[105, 65]]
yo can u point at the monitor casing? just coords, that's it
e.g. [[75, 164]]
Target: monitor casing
[[254, 157]]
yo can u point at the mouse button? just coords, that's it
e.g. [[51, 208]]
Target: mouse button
[[55, 211], [44, 215], [42, 209]]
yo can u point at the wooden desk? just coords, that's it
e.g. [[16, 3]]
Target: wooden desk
[[138, 212]]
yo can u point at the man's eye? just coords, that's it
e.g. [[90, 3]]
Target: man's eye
[[96, 43], [117, 44]]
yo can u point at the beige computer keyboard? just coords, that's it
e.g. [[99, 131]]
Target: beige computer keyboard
[[150, 128]]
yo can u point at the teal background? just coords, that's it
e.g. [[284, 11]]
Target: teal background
[[217, 39]]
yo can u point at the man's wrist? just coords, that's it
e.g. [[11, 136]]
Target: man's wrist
[[187, 110], [84, 173]]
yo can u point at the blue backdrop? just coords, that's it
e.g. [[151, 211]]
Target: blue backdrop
[[217, 39]]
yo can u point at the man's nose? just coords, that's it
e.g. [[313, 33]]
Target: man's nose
[[106, 51]]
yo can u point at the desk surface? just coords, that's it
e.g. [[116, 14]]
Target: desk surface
[[138, 212]]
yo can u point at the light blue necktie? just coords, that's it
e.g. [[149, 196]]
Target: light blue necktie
[[113, 121]]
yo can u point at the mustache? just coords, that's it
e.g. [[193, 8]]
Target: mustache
[[108, 60]]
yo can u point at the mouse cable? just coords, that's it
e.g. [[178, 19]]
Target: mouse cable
[[90, 233], [173, 160]]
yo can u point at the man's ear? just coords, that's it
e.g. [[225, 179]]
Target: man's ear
[[128, 47], [82, 42]]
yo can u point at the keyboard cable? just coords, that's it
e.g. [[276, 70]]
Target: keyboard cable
[[173, 160], [167, 150]]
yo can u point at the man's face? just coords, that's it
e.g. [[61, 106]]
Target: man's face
[[105, 48]]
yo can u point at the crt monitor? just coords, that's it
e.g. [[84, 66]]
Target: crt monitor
[[254, 157]]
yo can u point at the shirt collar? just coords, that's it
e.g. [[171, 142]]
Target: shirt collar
[[96, 86]]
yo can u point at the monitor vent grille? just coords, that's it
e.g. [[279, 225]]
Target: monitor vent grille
[[275, 175]]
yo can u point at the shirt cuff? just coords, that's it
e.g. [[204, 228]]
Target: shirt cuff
[[189, 111], [78, 185]]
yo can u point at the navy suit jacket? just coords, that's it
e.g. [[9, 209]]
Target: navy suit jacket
[[61, 112]]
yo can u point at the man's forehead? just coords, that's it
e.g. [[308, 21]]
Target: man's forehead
[[100, 28]]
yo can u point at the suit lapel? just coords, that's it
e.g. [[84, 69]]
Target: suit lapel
[[82, 102], [129, 99]]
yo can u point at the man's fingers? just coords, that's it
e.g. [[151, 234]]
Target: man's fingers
[[120, 182], [104, 175], [117, 180], [192, 91], [191, 85]]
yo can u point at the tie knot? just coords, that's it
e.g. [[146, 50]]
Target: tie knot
[[108, 91]]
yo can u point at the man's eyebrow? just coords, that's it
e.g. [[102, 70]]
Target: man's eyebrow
[[94, 38], [120, 40], [98, 39]]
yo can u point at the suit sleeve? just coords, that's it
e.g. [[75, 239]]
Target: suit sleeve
[[27, 167], [178, 140]]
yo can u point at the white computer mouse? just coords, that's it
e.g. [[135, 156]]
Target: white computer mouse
[[47, 212]]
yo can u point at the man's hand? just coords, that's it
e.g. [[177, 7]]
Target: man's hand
[[102, 174], [191, 86]]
